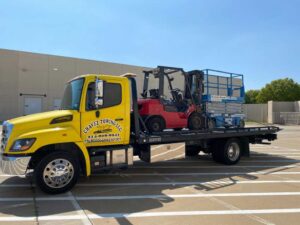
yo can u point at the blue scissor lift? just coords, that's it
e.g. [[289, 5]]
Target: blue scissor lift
[[223, 98]]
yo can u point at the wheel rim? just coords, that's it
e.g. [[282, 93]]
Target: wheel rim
[[233, 151], [196, 122], [155, 126], [58, 173]]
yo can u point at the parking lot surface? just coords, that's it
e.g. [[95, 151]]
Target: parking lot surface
[[262, 189]]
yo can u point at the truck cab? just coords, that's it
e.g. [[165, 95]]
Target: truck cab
[[95, 112]]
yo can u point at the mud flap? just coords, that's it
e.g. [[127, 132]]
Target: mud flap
[[145, 153]]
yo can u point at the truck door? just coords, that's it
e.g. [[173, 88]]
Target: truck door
[[105, 124]]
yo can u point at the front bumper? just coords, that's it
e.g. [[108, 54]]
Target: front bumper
[[14, 165]]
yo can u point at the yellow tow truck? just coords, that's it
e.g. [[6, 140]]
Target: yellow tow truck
[[98, 126]]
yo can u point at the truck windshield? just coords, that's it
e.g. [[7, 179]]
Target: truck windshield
[[72, 94]]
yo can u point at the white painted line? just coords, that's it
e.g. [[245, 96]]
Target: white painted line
[[8, 175], [154, 214], [215, 167], [229, 182], [222, 182], [275, 153], [208, 160], [16, 218], [272, 160], [275, 156], [199, 174], [164, 153], [85, 220], [162, 196]]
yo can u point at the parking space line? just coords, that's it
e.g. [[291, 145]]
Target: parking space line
[[216, 167], [275, 153], [156, 214], [80, 211], [187, 183], [90, 184], [208, 160], [199, 174], [85, 220]]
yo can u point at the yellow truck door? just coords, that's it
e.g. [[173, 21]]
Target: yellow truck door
[[106, 124]]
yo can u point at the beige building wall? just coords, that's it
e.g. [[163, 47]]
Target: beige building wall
[[26, 75]]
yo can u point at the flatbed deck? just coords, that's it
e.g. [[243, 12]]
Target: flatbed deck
[[255, 135]]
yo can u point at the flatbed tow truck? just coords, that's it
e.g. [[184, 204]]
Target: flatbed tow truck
[[98, 128]]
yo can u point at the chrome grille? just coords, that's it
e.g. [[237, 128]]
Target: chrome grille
[[3, 138], [6, 131]]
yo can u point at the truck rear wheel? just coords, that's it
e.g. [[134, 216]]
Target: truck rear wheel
[[227, 152], [57, 172]]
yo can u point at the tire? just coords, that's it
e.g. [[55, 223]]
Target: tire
[[57, 162], [227, 152], [155, 124], [195, 122]]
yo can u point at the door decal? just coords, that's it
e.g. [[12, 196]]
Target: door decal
[[104, 130]]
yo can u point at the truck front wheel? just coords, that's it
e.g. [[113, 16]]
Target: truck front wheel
[[57, 172]]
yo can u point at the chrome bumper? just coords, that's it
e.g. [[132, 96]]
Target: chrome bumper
[[14, 165]]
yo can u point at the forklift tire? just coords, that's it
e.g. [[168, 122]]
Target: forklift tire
[[195, 122], [57, 172], [228, 151], [155, 124]]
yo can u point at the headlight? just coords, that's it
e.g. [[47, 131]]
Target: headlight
[[22, 144]]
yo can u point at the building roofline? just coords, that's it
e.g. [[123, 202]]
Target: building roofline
[[70, 57]]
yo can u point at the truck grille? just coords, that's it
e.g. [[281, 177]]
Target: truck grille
[[6, 130], [3, 138]]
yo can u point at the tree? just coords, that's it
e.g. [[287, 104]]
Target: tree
[[280, 90], [251, 96]]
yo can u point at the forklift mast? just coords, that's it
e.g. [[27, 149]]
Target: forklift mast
[[193, 83]]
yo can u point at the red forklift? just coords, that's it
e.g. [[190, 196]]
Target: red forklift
[[171, 99]]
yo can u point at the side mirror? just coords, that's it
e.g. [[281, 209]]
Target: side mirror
[[99, 92]]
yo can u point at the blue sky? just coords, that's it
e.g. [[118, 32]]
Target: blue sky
[[260, 39]]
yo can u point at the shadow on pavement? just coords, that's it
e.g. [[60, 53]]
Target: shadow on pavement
[[93, 186]]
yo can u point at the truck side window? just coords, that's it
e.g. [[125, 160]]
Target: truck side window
[[112, 95]]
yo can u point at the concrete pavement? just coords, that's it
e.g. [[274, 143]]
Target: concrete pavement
[[262, 189]]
